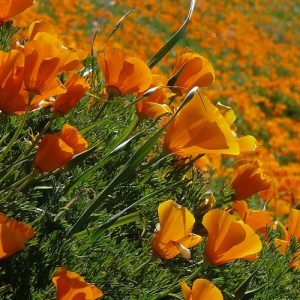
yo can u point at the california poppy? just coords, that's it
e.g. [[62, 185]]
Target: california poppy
[[229, 238], [70, 285], [124, 73], [249, 179], [70, 59], [174, 233], [10, 8], [157, 97], [76, 88], [193, 70], [42, 68], [258, 220], [202, 289], [293, 230], [56, 150], [200, 128], [13, 235], [73, 138], [13, 97]]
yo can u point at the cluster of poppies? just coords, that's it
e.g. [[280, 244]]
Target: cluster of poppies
[[195, 128]]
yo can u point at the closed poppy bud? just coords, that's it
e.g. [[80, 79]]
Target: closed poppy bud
[[73, 138], [193, 70], [70, 285], [157, 97], [229, 239], [174, 234], [202, 289], [249, 179], [123, 73], [76, 88], [200, 128], [53, 153], [13, 235], [11, 8]]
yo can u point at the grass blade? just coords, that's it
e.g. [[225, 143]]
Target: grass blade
[[173, 40]]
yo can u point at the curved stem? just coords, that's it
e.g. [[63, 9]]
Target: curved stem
[[16, 134]]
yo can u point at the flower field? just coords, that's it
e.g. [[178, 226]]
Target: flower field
[[149, 149]]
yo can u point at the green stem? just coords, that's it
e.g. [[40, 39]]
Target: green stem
[[20, 185], [175, 287], [65, 209], [17, 133], [41, 134]]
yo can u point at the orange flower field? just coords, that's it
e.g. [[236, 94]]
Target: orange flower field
[[149, 149]]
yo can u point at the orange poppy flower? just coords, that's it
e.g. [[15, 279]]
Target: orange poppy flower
[[13, 235], [229, 238], [73, 138], [53, 153], [158, 97], [13, 97], [56, 150], [292, 230], [200, 128], [123, 73], [69, 58], [42, 68], [249, 179], [76, 88], [258, 220], [11, 8], [194, 70], [174, 233], [202, 289], [70, 285]]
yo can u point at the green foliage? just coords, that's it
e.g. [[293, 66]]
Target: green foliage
[[7, 31], [97, 215]]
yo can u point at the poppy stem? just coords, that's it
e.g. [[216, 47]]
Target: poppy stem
[[176, 286], [40, 135], [17, 133], [19, 185]]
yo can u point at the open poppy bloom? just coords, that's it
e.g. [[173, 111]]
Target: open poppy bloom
[[70, 60], [249, 179], [292, 230], [13, 97], [76, 88], [70, 285], [193, 70], [157, 97], [200, 128], [45, 58], [13, 235], [56, 150], [258, 220], [11, 8], [202, 289], [174, 233], [229, 238], [123, 73]]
